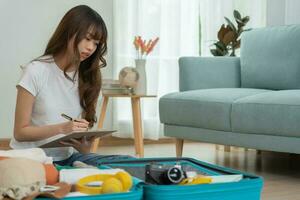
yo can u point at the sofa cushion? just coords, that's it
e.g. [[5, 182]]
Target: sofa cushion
[[206, 108], [271, 113], [270, 58]]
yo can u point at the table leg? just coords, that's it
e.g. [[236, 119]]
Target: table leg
[[100, 123], [137, 126], [179, 147]]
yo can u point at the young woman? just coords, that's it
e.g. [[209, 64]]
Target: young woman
[[65, 79]]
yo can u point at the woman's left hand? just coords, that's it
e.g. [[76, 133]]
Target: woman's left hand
[[82, 145]]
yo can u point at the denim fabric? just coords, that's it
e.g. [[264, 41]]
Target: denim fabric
[[90, 159]]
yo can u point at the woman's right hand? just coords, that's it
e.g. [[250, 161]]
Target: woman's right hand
[[76, 125]]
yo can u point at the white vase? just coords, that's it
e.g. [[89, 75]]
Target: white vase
[[140, 66]]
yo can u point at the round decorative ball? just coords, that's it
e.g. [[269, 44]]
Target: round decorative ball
[[129, 77]]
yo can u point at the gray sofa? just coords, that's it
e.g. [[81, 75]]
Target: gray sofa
[[251, 101]]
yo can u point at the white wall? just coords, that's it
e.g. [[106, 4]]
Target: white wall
[[26, 27]]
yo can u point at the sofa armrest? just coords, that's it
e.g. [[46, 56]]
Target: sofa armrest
[[209, 72]]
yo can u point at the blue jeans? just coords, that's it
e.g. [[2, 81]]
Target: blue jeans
[[90, 159]]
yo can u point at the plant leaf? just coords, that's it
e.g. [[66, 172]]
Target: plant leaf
[[239, 21], [237, 15], [220, 45], [248, 29], [230, 24], [214, 52], [237, 45], [222, 32], [246, 19], [221, 52], [229, 37]]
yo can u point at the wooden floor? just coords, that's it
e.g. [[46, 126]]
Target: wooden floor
[[281, 172]]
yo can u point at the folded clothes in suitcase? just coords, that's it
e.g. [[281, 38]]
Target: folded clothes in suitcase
[[155, 173]]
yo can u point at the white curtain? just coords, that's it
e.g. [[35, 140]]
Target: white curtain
[[177, 24]]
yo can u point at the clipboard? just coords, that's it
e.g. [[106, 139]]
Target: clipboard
[[76, 135]]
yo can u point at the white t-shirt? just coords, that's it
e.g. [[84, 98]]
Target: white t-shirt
[[54, 94]]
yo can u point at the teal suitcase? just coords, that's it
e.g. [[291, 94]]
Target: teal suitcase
[[249, 188]]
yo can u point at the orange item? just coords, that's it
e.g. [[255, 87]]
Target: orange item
[[52, 174]]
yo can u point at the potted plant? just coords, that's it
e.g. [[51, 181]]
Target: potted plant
[[229, 36]]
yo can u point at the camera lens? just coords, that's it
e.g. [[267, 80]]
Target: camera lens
[[175, 175]]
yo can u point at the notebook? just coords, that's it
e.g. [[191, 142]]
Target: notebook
[[76, 135]]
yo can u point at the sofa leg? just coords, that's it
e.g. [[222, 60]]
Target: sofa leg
[[258, 152], [179, 147]]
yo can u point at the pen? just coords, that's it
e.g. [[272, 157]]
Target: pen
[[67, 117]]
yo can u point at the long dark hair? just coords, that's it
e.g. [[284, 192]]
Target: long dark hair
[[76, 23]]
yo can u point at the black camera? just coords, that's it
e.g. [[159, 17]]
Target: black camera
[[161, 174]]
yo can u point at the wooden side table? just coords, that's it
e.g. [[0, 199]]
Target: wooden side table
[[136, 118]]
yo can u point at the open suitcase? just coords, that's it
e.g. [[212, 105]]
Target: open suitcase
[[248, 188]]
